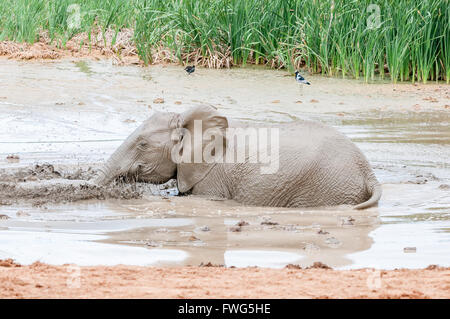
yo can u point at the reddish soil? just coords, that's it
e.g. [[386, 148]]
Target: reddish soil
[[44, 281], [123, 51]]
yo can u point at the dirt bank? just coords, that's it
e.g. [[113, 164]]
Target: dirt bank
[[43, 281], [97, 46]]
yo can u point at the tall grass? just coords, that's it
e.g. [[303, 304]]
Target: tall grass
[[408, 42]]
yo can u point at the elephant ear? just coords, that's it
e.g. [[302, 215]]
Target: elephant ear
[[195, 122]]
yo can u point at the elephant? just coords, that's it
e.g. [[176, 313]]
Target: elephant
[[316, 165]]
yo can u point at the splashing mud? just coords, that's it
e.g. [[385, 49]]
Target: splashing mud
[[63, 119], [43, 184]]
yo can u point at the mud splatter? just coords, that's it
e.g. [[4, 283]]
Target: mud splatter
[[319, 265], [210, 264], [43, 183], [8, 263]]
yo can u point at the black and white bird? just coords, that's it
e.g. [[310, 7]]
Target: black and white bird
[[300, 79], [190, 69]]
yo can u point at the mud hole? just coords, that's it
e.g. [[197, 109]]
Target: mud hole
[[60, 120]]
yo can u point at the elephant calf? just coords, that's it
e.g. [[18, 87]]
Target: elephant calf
[[311, 164]]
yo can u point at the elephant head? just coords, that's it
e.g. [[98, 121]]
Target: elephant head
[[147, 154]]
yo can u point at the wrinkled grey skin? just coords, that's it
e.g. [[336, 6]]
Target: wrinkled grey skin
[[318, 166]]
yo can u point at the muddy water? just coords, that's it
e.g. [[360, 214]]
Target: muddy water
[[73, 114]]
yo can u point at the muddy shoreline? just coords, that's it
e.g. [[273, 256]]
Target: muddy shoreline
[[45, 281]]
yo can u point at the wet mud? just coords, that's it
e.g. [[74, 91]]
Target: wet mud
[[43, 184], [54, 138]]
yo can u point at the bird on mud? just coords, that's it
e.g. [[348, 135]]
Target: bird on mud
[[190, 69], [300, 79]]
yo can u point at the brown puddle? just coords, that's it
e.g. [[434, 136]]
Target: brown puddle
[[73, 115]]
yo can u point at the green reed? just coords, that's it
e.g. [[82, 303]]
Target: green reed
[[405, 40]]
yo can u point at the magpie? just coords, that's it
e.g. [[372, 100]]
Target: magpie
[[300, 79], [190, 69]]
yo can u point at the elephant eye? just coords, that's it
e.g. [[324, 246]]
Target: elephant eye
[[143, 144]]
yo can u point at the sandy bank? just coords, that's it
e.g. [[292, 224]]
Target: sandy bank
[[44, 281]]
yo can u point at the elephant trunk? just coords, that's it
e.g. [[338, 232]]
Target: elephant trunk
[[104, 176], [118, 164]]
